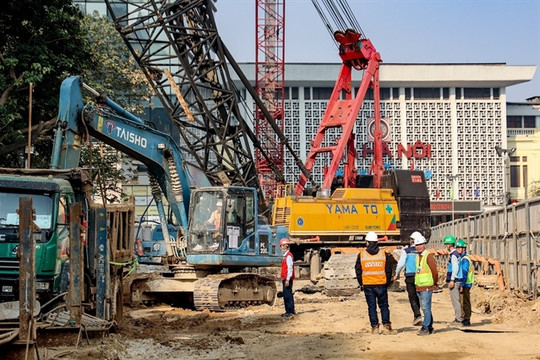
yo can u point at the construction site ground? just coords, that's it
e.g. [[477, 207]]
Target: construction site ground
[[505, 325]]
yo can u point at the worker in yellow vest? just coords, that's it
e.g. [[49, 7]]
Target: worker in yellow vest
[[374, 274], [426, 279]]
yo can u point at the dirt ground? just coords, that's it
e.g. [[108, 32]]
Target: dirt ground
[[504, 326]]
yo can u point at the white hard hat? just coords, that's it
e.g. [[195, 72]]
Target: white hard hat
[[418, 238], [371, 236]]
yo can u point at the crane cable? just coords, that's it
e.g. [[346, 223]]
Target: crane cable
[[341, 14]]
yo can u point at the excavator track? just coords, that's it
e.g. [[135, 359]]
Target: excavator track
[[225, 291], [340, 275]]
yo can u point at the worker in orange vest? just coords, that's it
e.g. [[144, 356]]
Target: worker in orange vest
[[374, 274]]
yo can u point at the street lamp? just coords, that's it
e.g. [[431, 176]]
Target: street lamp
[[505, 153]]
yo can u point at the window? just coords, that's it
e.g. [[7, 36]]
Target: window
[[477, 93], [427, 93], [529, 121], [496, 93], [307, 93], [119, 9], [525, 175], [294, 93], [407, 93], [385, 93], [369, 94], [446, 93], [322, 93], [514, 176], [513, 121]]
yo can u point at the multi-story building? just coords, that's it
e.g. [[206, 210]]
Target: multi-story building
[[444, 119], [523, 134]]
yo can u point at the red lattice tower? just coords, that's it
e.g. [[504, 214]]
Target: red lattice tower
[[270, 85]]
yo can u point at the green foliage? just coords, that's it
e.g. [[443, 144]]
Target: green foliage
[[43, 44], [39, 44], [106, 172], [534, 189], [115, 72]]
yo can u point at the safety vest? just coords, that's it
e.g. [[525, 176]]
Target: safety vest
[[470, 273], [373, 268], [423, 276], [410, 261], [284, 267]]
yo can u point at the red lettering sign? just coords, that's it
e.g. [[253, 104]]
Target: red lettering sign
[[418, 150]]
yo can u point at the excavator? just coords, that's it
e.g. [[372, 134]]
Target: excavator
[[332, 219], [207, 261], [203, 249]]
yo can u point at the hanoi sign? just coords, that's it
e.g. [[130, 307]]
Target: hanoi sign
[[418, 150]]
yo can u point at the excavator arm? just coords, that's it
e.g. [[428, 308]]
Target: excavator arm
[[108, 122]]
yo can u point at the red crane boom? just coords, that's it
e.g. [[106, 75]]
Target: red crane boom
[[358, 53]]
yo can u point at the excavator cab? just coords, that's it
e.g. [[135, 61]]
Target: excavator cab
[[220, 219], [224, 229]]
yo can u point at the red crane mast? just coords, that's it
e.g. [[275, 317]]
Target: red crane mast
[[270, 86]]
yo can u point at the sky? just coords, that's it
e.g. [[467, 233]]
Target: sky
[[404, 31]]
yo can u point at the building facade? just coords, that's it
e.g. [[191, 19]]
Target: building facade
[[523, 134], [444, 119]]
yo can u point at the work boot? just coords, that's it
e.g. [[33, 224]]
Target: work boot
[[424, 331], [466, 322], [387, 329], [375, 329], [417, 321]]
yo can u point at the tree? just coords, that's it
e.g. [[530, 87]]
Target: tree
[[114, 71], [43, 44], [534, 189], [39, 44]]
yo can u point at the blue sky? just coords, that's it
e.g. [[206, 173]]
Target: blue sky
[[405, 31]]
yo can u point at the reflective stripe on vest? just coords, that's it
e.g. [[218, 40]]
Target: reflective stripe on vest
[[423, 276], [470, 273], [373, 267]]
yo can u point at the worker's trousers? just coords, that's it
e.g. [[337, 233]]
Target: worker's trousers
[[425, 304], [377, 294], [456, 303], [466, 301], [288, 298], [413, 296]]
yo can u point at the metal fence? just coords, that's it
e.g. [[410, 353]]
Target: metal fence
[[510, 235]]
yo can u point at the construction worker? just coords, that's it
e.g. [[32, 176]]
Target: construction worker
[[374, 273], [407, 260], [467, 279], [452, 278], [287, 277], [426, 282], [215, 217]]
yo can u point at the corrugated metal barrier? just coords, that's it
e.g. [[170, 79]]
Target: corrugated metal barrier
[[509, 235]]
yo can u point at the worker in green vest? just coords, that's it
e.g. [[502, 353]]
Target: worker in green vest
[[467, 279], [426, 279]]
